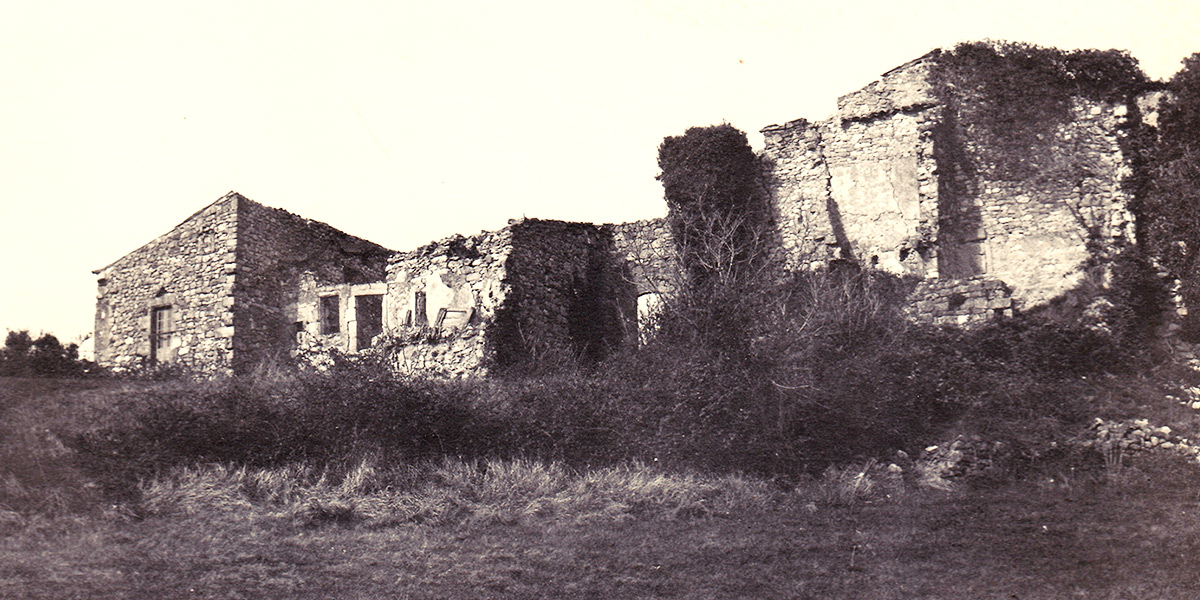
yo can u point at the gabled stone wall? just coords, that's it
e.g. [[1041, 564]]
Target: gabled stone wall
[[189, 269]]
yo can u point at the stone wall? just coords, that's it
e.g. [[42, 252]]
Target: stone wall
[[1038, 232], [462, 280], [534, 293], [861, 185], [903, 180], [190, 270], [281, 257], [960, 302], [648, 249], [570, 298]]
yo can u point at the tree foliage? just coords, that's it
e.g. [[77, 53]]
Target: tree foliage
[[716, 204], [23, 356]]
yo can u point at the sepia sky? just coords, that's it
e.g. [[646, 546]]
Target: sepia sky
[[403, 122]]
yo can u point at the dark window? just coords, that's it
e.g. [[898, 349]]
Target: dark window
[[419, 310], [368, 312], [331, 321], [160, 333]]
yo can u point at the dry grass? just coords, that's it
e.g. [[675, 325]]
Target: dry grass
[[455, 528], [447, 492], [523, 530]]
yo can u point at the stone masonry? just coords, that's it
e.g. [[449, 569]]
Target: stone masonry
[[890, 181], [907, 177], [211, 295], [534, 292]]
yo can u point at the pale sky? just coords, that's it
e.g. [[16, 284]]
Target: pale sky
[[404, 122]]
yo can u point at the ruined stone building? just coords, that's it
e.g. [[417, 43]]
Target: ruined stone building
[[221, 290], [909, 176], [930, 172], [238, 283]]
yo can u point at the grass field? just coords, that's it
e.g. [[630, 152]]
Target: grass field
[[523, 529]]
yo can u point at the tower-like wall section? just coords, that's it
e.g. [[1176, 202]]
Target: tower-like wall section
[[569, 297], [861, 185], [919, 174]]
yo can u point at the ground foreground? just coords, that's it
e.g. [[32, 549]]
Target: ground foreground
[[521, 529]]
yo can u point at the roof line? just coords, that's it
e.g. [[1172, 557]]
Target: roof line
[[228, 196]]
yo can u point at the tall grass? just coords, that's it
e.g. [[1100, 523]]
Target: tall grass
[[447, 491]]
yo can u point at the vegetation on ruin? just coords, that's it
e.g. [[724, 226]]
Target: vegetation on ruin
[[1169, 209], [716, 205], [768, 440], [1008, 97]]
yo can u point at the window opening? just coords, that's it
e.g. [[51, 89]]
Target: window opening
[[368, 313], [160, 333], [330, 319]]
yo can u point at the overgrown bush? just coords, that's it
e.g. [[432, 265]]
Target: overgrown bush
[[320, 418]]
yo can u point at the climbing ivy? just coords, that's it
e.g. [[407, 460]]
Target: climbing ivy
[[1008, 97]]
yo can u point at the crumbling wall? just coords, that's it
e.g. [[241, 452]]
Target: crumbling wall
[[462, 281], [862, 184], [648, 249], [534, 293], [798, 178], [281, 258], [189, 270], [919, 174]]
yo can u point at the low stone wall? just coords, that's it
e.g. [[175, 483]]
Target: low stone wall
[[960, 301]]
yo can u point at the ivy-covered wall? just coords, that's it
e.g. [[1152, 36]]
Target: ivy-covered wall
[[1006, 162], [1031, 163]]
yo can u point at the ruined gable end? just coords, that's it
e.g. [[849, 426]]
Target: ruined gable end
[[998, 164]]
